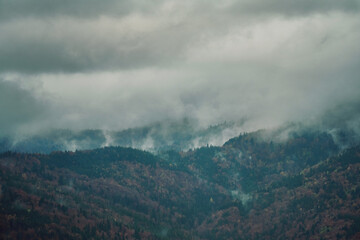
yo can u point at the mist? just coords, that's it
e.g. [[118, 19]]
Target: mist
[[116, 66]]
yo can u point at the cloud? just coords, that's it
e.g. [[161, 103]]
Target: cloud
[[293, 7], [10, 9], [17, 107], [72, 45], [75, 36], [119, 64]]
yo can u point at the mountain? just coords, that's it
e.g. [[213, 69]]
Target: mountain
[[252, 187], [161, 136]]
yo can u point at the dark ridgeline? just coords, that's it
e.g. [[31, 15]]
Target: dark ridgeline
[[250, 188]]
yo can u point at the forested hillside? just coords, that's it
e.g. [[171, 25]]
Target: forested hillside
[[250, 188], [161, 136]]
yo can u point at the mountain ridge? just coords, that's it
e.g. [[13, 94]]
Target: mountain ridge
[[249, 188]]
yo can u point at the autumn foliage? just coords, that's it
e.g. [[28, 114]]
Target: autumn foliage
[[250, 188]]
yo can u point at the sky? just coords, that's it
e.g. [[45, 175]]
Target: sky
[[110, 64]]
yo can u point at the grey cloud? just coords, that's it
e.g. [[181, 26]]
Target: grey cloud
[[39, 36], [294, 7], [123, 64], [10, 9], [66, 45], [343, 116], [17, 107]]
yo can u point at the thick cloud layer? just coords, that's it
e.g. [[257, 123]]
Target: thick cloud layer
[[17, 107], [10, 9], [118, 64]]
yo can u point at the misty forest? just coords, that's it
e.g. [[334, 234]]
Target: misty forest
[[169, 119]]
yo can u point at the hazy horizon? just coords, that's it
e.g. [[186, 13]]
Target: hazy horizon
[[117, 65]]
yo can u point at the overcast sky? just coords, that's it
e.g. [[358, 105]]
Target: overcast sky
[[117, 64]]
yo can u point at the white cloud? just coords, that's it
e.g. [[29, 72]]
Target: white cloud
[[207, 60]]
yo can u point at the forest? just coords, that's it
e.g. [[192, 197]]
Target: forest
[[250, 188]]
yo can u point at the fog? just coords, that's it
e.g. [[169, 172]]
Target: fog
[[112, 66]]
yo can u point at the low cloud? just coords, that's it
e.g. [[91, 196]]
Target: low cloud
[[17, 107], [73, 45], [86, 36], [79, 8], [114, 65], [293, 7]]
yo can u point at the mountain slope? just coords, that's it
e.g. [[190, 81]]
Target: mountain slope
[[250, 188], [175, 135]]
